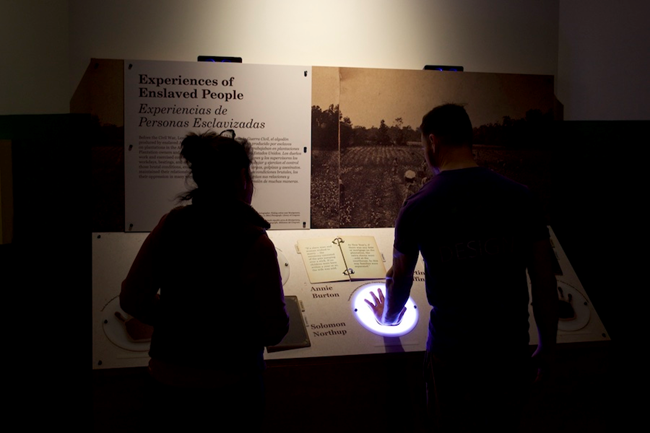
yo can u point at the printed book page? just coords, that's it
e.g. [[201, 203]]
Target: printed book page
[[363, 257], [341, 258]]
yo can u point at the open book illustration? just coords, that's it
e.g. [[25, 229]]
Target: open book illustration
[[341, 258]]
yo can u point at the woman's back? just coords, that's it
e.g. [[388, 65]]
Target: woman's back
[[205, 295]]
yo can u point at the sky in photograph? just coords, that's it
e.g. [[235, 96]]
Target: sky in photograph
[[369, 95]]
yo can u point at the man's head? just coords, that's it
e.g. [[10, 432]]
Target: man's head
[[449, 123], [446, 135]]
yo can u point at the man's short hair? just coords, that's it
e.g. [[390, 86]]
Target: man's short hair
[[449, 122]]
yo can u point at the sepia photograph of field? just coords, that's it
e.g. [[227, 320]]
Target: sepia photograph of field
[[367, 156]]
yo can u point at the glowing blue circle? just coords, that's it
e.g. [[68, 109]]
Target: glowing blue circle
[[366, 316]]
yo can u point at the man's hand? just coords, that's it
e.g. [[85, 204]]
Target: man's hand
[[543, 362], [565, 306], [378, 308], [545, 306]]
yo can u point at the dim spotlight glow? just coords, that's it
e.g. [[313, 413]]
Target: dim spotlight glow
[[366, 316]]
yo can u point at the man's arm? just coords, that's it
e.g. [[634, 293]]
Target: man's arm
[[399, 280], [545, 303]]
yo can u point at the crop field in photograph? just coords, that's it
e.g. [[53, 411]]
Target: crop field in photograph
[[375, 181], [369, 185]]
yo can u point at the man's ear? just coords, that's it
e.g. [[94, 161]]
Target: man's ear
[[432, 142]]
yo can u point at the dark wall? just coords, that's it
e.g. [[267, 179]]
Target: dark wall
[[46, 270], [600, 201]]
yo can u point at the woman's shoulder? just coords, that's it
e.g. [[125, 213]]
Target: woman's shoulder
[[174, 214], [238, 219]]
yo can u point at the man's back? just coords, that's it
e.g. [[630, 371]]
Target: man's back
[[474, 229], [478, 233]]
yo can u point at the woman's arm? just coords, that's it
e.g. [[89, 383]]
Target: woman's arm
[[138, 296], [263, 275]]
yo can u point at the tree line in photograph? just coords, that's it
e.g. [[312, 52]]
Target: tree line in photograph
[[531, 131]]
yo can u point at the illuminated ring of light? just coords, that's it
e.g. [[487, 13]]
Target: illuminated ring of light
[[366, 317]]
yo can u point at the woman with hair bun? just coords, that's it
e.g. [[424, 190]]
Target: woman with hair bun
[[221, 299]]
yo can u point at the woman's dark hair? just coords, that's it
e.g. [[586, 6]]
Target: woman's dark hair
[[450, 122], [215, 163]]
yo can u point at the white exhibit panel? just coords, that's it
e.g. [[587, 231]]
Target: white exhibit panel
[[579, 320], [113, 254], [336, 319], [267, 105]]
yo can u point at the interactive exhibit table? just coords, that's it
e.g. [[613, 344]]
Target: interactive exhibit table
[[327, 318]]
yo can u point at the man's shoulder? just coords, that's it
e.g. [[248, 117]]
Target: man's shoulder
[[420, 196], [465, 186], [484, 181], [498, 177], [447, 182]]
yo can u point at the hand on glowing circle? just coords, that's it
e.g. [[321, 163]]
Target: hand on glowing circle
[[135, 329], [378, 309], [567, 311]]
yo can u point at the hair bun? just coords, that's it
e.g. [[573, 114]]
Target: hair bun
[[194, 148], [215, 162]]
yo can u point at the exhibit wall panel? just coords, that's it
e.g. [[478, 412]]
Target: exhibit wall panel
[[364, 125], [266, 105]]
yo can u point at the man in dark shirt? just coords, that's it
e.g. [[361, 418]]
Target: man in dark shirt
[[478, 233]]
